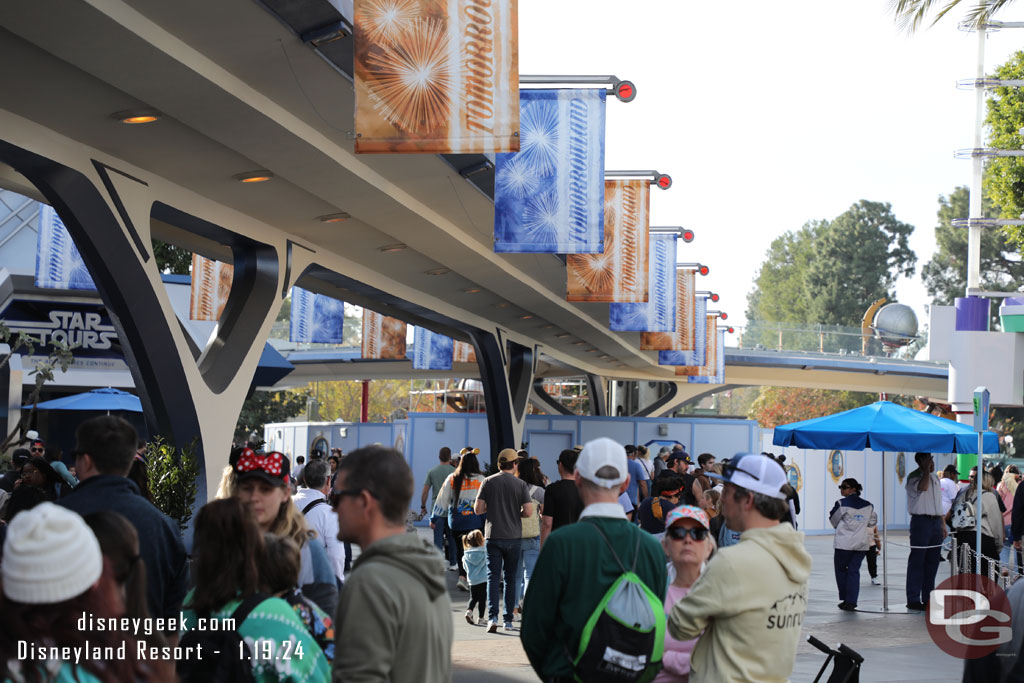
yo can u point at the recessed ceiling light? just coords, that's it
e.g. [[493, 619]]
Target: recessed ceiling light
[[133, 116], [547, 327], [503, 304], [562, 336], [578, 343], [591, 350], [603, 356], [526, 316], [472, 290], [389, 248], [438, 271], [253, 176], [334, 217]]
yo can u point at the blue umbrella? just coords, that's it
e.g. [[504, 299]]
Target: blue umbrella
[[107, 399], [886, 426]]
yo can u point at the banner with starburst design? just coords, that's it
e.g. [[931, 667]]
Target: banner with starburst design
[[316, 318], [549, 197], [431, 350], [383, 337], [659, 313], [58, 263], [696, 355], [438, 76], [710, 364], [715, 374], [680, 337], [463, 352], [211, 286], [619, 273]]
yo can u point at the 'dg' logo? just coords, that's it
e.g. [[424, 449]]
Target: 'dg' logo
[[969, 616]]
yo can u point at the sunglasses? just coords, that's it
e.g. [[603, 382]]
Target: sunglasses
[[698, 533], [729, 468], [37, 450]]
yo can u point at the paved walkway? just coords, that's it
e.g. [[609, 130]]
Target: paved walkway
[[896, 646]]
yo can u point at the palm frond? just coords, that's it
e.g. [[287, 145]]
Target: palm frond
[[911, 14], [982, 13]]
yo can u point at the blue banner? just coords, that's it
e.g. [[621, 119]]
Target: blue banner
[[549, 197], [431, 351], [58, 263], [316, 318], [719, 376], [697, 356], [659, 313]]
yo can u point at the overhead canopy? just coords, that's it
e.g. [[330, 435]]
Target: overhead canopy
[[98, 399], [884, 426]]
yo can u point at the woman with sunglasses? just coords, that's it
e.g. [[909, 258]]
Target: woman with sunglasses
[[261, 482], [688, 545], [854, 520]]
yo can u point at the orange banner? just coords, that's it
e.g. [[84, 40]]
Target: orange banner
[[463, 352], [682, 339], [438, 76], [710, 367], [383, 337], [620, 273], [211, 286]]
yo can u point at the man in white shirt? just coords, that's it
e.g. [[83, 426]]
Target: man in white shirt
[[312, 501], [927, 531], [949, 487]]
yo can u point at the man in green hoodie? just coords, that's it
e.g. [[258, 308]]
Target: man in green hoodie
[[747, 607], [394, 618]]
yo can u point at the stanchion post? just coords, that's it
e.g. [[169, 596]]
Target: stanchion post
[[885, 542], [981, 402]]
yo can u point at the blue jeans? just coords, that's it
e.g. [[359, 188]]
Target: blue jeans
[[531, 549], [848, 574], [502, 562], [923, 563], [443, 536]]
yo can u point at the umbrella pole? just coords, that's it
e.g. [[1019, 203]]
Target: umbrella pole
[[978, 488], [885, 542]]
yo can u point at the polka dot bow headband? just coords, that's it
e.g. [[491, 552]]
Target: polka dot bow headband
[[274, 463]]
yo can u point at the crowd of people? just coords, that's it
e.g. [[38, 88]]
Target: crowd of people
[[704, 554]]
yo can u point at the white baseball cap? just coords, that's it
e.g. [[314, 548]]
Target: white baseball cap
[[757, 473], [603, 452]]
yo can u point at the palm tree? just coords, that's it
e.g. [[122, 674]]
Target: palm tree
[[910, 14]]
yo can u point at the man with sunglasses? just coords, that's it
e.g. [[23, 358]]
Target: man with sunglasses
[[752, 592], [394, 618]]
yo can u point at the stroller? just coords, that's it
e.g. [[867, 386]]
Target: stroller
[[847, 662]]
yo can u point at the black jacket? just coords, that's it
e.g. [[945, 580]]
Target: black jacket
[[160, 543]]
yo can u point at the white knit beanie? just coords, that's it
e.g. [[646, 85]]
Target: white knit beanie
[[50, 555]]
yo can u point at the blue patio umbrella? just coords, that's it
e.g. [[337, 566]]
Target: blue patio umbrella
[[885, 426], [106, 399]]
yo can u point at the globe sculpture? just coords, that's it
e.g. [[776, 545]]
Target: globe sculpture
[[895, 325]]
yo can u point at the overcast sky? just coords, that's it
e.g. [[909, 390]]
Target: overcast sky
[[769, 114]]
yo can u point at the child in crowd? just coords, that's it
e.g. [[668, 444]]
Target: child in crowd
[[279, 570], [474, 559]]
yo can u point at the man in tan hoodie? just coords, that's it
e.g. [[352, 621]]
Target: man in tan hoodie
[[747, 607]]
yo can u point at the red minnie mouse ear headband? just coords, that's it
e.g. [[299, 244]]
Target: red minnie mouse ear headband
[[272, 467]]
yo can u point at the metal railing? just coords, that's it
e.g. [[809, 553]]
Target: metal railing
[[817, 338]]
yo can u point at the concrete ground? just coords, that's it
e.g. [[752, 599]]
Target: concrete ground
[[895, 645]]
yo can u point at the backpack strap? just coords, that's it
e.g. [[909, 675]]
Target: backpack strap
[[312, 504], [636, 554], [248, 605]]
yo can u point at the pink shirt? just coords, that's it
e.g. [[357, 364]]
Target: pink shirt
[[676, 661]]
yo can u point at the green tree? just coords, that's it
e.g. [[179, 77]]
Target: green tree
[[856, 260], [171, 259], [945, 275], [783, 405], [389, 399], [268, 406], [910, 14], [778, 293], [172, 479], [1004, 176]]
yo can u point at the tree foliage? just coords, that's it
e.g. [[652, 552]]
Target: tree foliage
[[945, 275], [342, 400], [910, 14], [171, 259], [1004, 176], [829, 272], [782, 405], [172, 478], [58, 355], [268, 406]]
